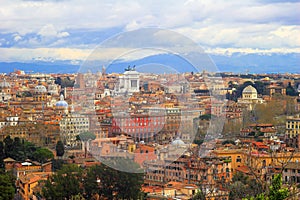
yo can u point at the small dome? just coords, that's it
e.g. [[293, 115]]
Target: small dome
[[177, 142], [249, 90], [40, 89], [62, 102], [4, 84]]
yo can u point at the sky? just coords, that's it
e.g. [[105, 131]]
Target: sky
[[71, 29]]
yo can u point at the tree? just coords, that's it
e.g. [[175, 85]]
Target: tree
[[2, 155], [290, 90], [243, 186], [8, 146], [42, 155], [199, 196], [60, 149], [65, 184], [275, 192], [85, 137], [6, 187], [18, 150], [112, 183]]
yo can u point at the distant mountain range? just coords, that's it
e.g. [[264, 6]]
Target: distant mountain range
[[237, 63]]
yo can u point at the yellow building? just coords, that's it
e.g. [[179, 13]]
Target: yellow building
[[236, 156], [257, 161], [28, 182], [293, 126]]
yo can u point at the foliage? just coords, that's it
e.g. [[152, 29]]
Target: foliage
[[60, 149], [198, 142], [64, 82], [42, 155], [258, 85], [275, 192], [206, 117], [57, 164], [99, 180], [290, 90], [85, 136], [8, 146], [2, 155], [228, 142], [113, 183], [198, 196], [64, 184], [20, 150], [6, 187], [242, 186]]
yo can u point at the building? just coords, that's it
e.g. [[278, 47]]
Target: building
[[249, 97], [27, 184], [5, 91], [139, 126], [291, 173], [71, 125], [129, 82], [210, 171], [292, 134]]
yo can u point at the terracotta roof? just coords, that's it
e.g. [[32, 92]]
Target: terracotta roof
[[9, 160], [243, 169]]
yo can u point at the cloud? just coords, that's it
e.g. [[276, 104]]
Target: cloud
[[50, 31], [76, 24]]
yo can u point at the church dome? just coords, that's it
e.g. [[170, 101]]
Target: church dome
[[249, 90], [177, 142], [62, 102], [4, 84], [40, 89]]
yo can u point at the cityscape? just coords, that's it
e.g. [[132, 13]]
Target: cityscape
[[153, 100], [167, 128]]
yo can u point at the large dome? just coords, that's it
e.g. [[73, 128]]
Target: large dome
[[4, 84], [62, 102], [249, 90]]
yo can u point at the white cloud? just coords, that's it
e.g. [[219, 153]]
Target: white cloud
[[230, 51], [50, 31], [253, 24], [17, 38]]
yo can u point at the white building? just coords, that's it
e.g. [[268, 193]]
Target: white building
[[5, 90], [72, 125], [249, 97], [128, 83], [9, 121]]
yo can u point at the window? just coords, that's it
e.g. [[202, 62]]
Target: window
[[134, 83]]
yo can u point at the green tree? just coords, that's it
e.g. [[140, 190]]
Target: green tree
[[65, 184], [8, 146], [275, 192], [18, 152], [60, 149], [112, 183], [2, 155], [42, 155], [199, 196], [242, 186], [57, 164], [6, 187], [290, 90]]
